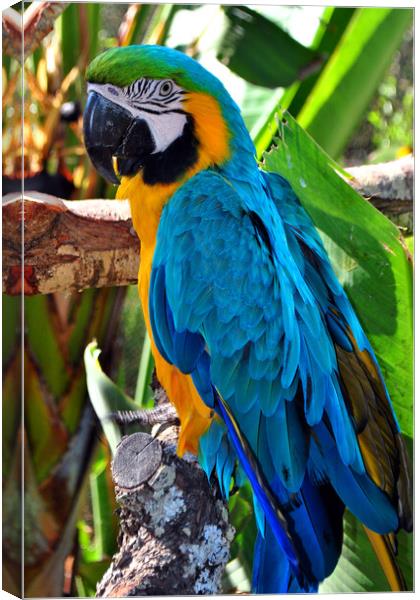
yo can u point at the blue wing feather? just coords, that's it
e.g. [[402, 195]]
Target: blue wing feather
[[182, 348], [243, 298]]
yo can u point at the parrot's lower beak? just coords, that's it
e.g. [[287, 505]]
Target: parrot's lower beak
[[111, 130]]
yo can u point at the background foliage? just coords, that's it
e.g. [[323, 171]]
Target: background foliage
[[347, 80]]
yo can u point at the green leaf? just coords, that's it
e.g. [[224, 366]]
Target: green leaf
[[139, 23], [132, 331], [82, 318], [144, 395], [259, 51], [256, 104], [105, 396], [81, 589], [6, 63], [94, 21], [73, 401], [97, 538], [43, 344], [11, 412], [333, 24], [366, 252], [90, 574], [69, 30], [342, 93], [330, 30], [11, 324], [263, 136], [36, 57], [47, 437], [102, 510], [410, 244], [241, 515]]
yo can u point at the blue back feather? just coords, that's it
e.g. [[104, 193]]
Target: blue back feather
[[243, 298]]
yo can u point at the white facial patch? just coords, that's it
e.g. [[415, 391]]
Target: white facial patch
[[156, 101]]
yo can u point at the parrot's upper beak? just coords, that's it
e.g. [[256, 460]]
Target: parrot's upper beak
[[111, 130]]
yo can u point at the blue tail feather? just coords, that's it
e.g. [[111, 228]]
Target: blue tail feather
[[272, 571]]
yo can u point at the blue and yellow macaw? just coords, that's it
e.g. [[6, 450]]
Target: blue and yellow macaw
[[254, 339]]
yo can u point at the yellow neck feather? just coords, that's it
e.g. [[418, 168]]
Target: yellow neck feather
[[146, 204], [210, 128]]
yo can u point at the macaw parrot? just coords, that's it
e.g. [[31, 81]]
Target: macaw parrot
[[254, 339]]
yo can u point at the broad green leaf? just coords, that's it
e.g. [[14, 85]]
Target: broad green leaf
[[157, 28], [342, 93], [248, 45], [332, 25], [366, 252], [105, 396], [89, 315]]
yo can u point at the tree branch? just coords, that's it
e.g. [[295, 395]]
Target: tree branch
[[388, 186], [73, 245], [174, 530], [68, 245], [28, 28]]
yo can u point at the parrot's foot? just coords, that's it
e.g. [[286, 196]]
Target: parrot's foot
[[147, 417]]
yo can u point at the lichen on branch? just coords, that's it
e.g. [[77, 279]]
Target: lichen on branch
[[174, 529]]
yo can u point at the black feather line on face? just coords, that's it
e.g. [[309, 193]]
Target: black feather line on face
[[168, 166]]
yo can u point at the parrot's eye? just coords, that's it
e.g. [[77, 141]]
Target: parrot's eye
[[166, 88]]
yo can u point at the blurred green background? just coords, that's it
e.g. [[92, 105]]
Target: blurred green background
[[345, 75]]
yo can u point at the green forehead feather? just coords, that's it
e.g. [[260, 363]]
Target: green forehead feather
[[122, 66]]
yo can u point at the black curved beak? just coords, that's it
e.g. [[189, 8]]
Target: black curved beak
[[104, 125], [111, 130]]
